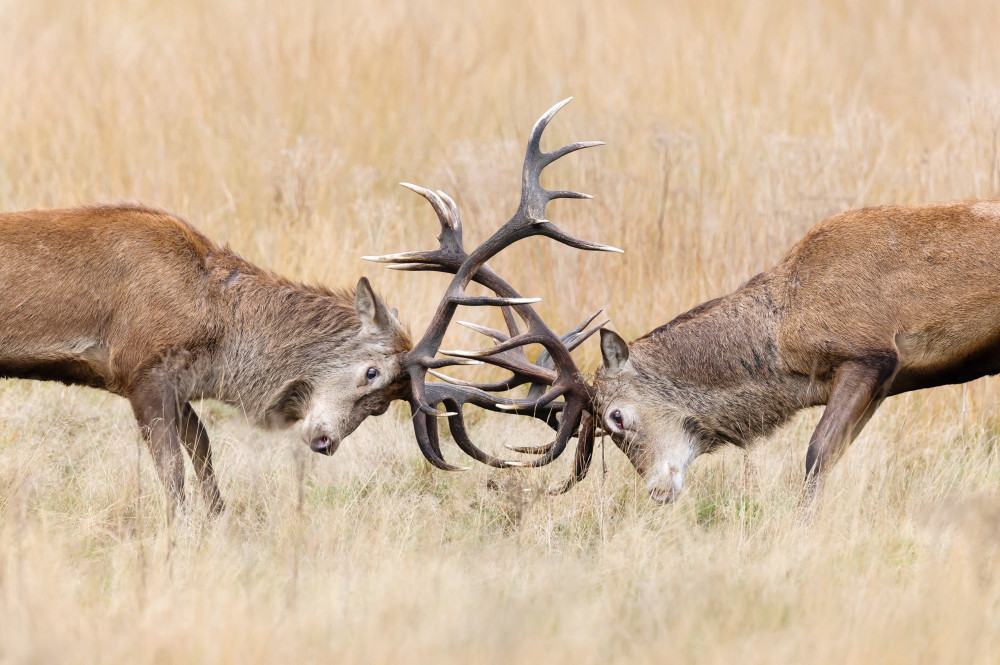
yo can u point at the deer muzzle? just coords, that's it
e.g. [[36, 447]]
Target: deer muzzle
[[666, 483], [321, 440]]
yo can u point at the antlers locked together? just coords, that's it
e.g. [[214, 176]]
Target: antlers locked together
[[558, 393]]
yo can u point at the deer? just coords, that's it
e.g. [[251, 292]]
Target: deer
[[134, 301], [871, 303]]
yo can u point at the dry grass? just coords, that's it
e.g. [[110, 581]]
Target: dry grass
[[732, 127]]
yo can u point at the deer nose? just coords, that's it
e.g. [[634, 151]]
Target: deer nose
[[321, 440], [666, 483], [324, 445]]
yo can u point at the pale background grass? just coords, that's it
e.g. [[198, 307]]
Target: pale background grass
[[283, 128]]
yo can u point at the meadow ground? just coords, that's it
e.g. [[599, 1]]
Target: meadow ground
[[283, 128]]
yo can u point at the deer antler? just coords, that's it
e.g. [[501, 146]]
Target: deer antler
[[558, 393]]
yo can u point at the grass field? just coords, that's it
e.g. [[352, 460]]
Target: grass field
[[283, 128]]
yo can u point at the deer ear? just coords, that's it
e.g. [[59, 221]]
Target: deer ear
[[374, 315], [614, 350]]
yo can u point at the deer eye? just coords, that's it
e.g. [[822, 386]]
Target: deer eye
[[617, 419], [371, 374]]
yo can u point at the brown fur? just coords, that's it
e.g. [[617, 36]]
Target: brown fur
[[135, 301], [870, 303]]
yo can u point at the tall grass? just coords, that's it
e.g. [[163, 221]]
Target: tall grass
[[283, 128]]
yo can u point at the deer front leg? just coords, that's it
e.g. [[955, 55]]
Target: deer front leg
[[154, 403], [858, 388], [195, 440]]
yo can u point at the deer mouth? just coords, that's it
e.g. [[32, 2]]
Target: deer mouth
[[663, 495], [324, 445]]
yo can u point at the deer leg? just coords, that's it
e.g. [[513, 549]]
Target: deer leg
[[858, 389], [194, 438], [154, 403]]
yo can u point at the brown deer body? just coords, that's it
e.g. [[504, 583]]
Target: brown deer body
[[870, 303], [136, 302]]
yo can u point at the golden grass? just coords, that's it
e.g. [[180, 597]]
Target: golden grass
[[283, 128]]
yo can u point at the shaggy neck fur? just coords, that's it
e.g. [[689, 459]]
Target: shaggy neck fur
[[280, 331], [719, 363]]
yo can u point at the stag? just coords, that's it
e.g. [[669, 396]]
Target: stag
[[136, 302], [557, 391], [870, 303]]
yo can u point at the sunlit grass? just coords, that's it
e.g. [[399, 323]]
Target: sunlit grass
[[283, 128]]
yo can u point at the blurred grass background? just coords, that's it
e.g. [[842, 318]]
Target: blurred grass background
[[283, 129]]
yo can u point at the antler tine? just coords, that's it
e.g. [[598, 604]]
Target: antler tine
[[401, 257], [554, 232], [425, 428], [530, 450], [495, 387], [456, 424], [418, 402], [445, 208], [489, 301], [512, 343], [573, 410], [535, 136], [582, 325], [451, 253], [584, 455], [580, 338], [559, 153], [538, 450], [438, 363], [455, 217], [511, 321], [483, 330], [531, 405], [570, 339]]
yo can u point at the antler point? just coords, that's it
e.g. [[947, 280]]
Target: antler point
[[444, 377]]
